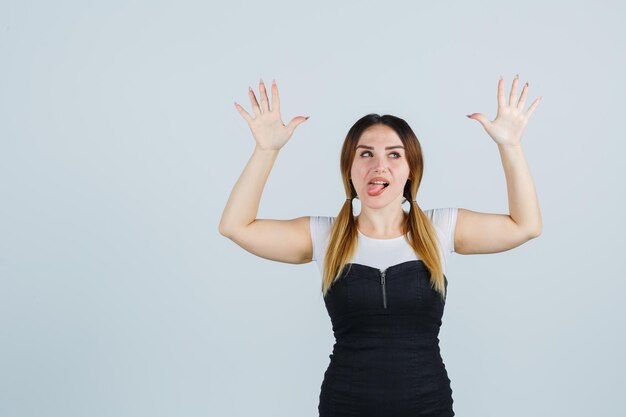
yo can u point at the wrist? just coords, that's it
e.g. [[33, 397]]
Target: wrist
[[257, 148], [517, 146], [510, 148]]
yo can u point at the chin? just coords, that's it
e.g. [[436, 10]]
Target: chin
[[376, 202], [372, 203]]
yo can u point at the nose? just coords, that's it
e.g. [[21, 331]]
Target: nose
[[379, 164]]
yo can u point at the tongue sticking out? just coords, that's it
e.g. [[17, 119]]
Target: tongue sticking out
[[375, 189]]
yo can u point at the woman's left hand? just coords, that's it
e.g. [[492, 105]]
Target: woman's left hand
[[511, 120]]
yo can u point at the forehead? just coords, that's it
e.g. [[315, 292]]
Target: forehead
[[379, 135]]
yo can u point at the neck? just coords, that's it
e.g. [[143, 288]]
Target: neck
[[382, 223]]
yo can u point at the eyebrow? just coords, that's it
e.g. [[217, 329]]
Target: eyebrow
[[388, 147]]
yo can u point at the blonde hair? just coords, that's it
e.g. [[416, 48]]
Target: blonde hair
[[418, 229]]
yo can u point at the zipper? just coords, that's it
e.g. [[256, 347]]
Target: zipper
[[384, 287]]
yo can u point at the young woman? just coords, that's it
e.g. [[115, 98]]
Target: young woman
[[383, 271]]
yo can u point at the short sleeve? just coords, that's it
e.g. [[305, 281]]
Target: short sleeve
[[445, 220], [320, 231], [313, 227]]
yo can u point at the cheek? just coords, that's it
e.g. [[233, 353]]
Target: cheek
[[357, 171]]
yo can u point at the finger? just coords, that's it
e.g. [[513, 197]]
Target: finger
[[255, 104], [295, 122], [513, 94], [480, 117], [532, 107], [275, 99], [265, 105], [522, 99], [243, 113], [500, 92]]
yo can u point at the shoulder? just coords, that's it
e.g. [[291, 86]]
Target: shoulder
[[442, 217], [444, 220], [321, 225], [322, 220]]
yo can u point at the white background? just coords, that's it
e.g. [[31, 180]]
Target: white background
[[120, 143]]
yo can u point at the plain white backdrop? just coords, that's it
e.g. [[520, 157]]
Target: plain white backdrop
[[120, 143]]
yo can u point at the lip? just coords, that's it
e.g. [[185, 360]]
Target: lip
[[380, 179]]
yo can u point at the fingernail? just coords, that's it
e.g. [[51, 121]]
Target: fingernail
[[307, 117], [261, 80], [516, 75], [274, 82], [249, 88]]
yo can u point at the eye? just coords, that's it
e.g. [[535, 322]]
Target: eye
[[392, 153]]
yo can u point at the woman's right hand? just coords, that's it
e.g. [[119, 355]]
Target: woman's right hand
[[268, 129]]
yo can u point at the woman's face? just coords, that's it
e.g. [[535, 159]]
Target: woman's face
[[379, 153]]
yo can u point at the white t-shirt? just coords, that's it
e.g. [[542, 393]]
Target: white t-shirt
[[382, 253]]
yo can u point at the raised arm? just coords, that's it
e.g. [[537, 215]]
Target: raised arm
[[476, 232], [279, 240]]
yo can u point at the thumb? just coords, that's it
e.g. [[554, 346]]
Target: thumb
[[295, 122], [480, 117]]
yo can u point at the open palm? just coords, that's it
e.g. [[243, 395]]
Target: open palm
[[508, 126], [268, 129]]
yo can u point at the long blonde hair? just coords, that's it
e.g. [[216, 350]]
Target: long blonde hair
[[418, 229]]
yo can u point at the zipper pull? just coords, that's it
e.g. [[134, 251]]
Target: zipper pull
[[384, 288]]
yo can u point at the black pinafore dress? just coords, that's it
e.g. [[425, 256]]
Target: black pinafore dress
[[386, 359]]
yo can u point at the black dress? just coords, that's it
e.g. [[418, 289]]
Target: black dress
[[386, 360]]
